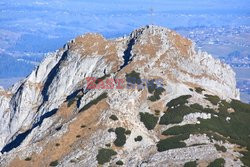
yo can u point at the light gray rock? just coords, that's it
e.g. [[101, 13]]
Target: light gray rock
[[156, 52]]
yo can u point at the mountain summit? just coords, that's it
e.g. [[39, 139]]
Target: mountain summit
[[148, 99]]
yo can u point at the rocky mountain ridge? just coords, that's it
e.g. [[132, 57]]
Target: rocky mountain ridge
[[51, 118]]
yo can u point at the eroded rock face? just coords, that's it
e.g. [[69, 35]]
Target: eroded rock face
[[52, 108]]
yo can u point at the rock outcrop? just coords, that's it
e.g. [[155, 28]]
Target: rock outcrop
[[52, 118]]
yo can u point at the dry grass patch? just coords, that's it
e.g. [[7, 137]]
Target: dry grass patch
[[51, 152]]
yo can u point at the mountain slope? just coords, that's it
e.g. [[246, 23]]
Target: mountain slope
[[179, 111]]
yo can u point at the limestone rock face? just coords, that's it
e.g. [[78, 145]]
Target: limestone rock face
[[52, 116]]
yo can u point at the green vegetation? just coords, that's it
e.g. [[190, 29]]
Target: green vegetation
[[236, 130], [138, 138], [157, 112], [108, 145], [172, 117], [54, 163], [196, 106], [153, 89], [133, 78], [242, 115], [239, 106], [177, 130], [101, 79], [190, 164], [149, 120], [94, 102], [113, 117], [191, 89], [128, 132], [246, 157], [213, 99], [104, 155], [151, 86], [178, 101], [175, 115], [83, 126], [57, 144], [111, 130], [199, 90], [120, 137], [28, 159], [171, 143], [200, 144], [220, 148], [223, 106], [73, 161], [220, 162], [156, 95], [119, 162]]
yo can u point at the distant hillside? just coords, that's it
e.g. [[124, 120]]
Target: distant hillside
[[10, 67]]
